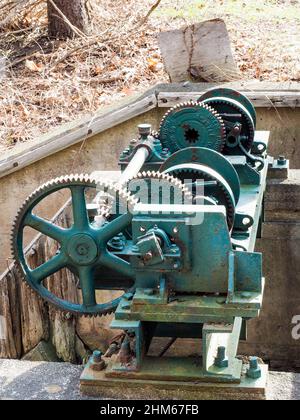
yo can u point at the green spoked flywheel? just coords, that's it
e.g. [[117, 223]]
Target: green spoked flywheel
[[192, 124], [83, 248]]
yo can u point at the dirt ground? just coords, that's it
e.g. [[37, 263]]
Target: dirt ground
[[47, 82]]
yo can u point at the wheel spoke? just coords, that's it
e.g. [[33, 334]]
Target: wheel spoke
[[117, 264], [49, 268], [113, 228], [87, 285], [79, 207], [47, 228]]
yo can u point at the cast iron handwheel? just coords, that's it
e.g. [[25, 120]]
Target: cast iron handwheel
[[83, 247]]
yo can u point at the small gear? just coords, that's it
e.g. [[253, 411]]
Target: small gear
[[221, 192], [85, 248], [227, 107], [192, 124]]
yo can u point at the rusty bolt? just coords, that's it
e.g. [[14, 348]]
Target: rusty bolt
[[97, 356], [97, 363], [148, 256]]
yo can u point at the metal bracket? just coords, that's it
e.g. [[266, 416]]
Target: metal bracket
[[220, 336]]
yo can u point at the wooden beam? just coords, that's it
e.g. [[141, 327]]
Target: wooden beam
[[260, 99], [82, 130], [263, 99], [263, 94]]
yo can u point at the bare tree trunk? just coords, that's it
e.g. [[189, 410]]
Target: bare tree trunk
[[75, 12]]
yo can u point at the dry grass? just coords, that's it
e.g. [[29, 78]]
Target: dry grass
[[49, 82]]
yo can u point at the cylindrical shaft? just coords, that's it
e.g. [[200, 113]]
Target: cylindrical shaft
[[131, 171], [135, 165]]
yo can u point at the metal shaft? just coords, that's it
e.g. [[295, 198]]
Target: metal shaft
[[135, 165], [131, 171]]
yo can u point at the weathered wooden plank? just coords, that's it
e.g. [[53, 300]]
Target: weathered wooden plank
[[11, 343], [253, 85], [264, 99], [28, 318], [64, 138], [34, 314], [200, 52]]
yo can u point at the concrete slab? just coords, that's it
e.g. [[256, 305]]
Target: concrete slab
[[20, 380]]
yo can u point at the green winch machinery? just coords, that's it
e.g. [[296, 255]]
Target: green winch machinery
[[172, 239]]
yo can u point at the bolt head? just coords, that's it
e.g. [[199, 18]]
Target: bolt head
[[97, 356], [281, 160], [254, 371], [148, 256]]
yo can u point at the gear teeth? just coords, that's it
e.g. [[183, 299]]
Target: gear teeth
[[230, 205], [58, 182], [245, 112], [171, 144], [162, 176]]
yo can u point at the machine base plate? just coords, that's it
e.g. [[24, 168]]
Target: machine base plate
[[114, 384]]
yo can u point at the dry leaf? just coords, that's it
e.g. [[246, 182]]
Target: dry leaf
[[127, 91], [32, 66], [154, 64]]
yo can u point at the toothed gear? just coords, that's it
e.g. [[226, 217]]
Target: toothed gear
[[192, 124], [148, 176], [222, 192], [83, 247], [155, 134], [224, 105]]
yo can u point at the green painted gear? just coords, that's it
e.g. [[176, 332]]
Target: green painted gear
[[180, 190], [192, 124], [230, 94], [83, 247], [223, 106], [221, 192]]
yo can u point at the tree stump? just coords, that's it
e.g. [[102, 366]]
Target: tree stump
[[66, 14]]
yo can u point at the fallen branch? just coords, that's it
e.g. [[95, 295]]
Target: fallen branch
[[152, 9]]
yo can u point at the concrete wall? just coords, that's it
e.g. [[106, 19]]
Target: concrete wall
[[100, 152], [270, 335], [284, 124]]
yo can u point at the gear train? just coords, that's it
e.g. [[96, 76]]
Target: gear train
[[173, 239]]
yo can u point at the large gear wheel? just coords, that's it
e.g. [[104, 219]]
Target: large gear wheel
[[180, 194], [83, 247], [192, 124]]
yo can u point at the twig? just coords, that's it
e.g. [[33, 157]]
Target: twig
[[152, 9], [20, 31]]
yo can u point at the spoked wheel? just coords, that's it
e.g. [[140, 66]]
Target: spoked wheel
[[82, 247]]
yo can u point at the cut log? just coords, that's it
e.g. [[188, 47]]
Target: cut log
[[200, 53]]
